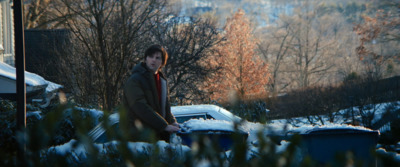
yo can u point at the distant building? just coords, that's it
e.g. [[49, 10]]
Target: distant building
[[6, 32]]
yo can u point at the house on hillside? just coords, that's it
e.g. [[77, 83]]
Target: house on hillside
[[6, 32]]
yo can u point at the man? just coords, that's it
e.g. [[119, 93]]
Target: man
[[146, 95]]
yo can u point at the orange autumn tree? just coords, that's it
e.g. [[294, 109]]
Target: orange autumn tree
[[379, 40], [242, 74]]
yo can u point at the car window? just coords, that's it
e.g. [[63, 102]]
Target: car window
[[209, 116], [184, 118]]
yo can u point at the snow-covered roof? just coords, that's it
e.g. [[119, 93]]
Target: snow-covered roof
[[31, 79]]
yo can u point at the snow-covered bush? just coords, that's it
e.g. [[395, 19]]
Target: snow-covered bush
[[58, 137], [45, 127]]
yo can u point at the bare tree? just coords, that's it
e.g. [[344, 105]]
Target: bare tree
[[275, 49], [42, 14], [303, 49], [105, 36], [379, 42], [35, 10], [310, 48], [189, 42]]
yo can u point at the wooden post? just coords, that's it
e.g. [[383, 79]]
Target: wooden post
[[20, 72]]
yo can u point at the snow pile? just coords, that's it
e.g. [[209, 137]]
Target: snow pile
[[93, 113], [35, 114], [70, 147], [377, 110], [52, 86], [341, 117], [309, 128], [209, 124], [393, 155]]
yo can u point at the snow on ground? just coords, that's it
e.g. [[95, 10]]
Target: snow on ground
[[36, 114], [93, 113], [393, 155], [340, 118], [30, 78], [378, 110], [301, 127]]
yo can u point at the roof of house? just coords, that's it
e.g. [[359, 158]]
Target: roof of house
[[31, 79]]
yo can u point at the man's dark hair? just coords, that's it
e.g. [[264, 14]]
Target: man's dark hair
[[157, 48]]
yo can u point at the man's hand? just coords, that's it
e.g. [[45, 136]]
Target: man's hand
[[172, 128], [175, 124]]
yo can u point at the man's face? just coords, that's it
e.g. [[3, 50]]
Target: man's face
[[153, 62]]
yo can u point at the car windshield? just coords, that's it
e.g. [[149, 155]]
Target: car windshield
[[229, 114], [203, 111]]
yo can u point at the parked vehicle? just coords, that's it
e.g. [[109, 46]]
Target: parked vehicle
[[197, 121]]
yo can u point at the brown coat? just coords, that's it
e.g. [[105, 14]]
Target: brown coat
[[142, 103]]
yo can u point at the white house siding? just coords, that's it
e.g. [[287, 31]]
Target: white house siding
[[6, 32]]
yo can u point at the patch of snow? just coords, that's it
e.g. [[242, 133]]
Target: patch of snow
[[114, 118], [69, 147], [52, 86], [340, 117], [36, 114], [309, 128], [301, 126], [201, 125], [78, 150], [282, 147], [395, 156], [378, 110], [30, 78], [93, 113]]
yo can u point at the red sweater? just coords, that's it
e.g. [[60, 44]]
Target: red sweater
[[158, 85]]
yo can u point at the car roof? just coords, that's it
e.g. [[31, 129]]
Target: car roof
[[215, 111]]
